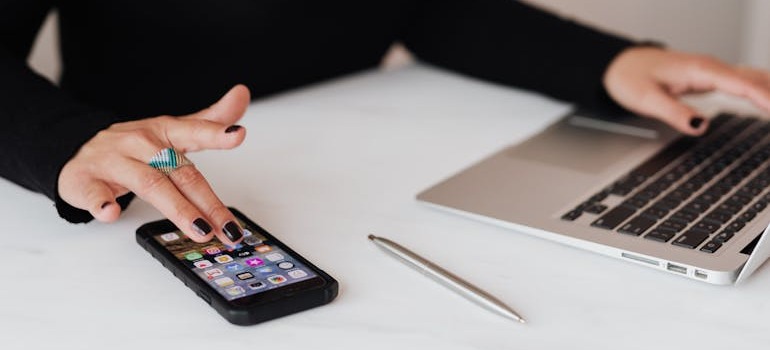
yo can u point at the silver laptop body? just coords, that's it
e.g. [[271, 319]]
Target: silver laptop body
[[562, 184]]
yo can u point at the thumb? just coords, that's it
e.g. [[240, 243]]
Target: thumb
[[659, 104], [229, 109]]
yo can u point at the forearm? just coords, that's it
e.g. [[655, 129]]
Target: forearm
[[511, 43]]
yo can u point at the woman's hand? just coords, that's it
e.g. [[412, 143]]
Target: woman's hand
[[115, 161], [647, 81]]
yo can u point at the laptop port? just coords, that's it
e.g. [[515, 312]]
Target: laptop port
[[702, 275], [639, 258], [676, 268]]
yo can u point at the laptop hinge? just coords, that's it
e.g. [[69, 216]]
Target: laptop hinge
[[759, 248]]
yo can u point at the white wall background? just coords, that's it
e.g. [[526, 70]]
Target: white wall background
[[737, 31]]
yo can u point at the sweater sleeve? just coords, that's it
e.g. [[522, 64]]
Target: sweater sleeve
[[510, 43], [42, 127]]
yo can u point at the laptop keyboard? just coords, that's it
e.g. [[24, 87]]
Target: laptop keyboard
[[697, 193]]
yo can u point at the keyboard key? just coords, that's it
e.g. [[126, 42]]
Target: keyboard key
[[685, 215], [674, 225], [748, 215], [572, 215], [697, 207], [636, 202], [655, 212], [637, 225], [710, 247], [736, 225], [730, 208], [614, 217], [723, 236], [691, 239], [596, 208], [719, 216], [660, 234], [707, 226]]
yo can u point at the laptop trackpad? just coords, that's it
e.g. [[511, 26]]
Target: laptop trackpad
[[581, 146]]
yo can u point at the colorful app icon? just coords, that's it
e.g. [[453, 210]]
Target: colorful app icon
[[265, 270], [243, 253], [236, 290], [257, 285], [168, 237], [202, 264], [285, 265], [254, 262], [231, 248], [274, 256], [223, 259], [276, 279], [193, 255], [210, 274], [234, 267], [212, 250], [224, 281], [263, 248], [245, 276], [252, 240], [297, 273]]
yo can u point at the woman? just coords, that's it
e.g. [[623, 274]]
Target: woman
[[103, 136]]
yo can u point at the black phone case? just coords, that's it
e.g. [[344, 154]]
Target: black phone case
[[292, 302]]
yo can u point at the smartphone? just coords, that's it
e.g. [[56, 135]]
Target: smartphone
[[258, 280]]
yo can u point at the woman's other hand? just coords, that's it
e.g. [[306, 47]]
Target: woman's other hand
[[648, 80]]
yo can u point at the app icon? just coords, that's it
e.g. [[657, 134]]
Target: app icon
[[285, 265], [252, 240], [245, 276], [236, 290], [297, 273], [222, 259], [224, 281], [193, 255], [202, 264], [246, 232], [168, 237], [265, 270], [233, 267], [243, 253], [254, 262], [274, 256], [211, 250], [276, 279], [263, 248], [213, 273], [230, 248], [257, 285]]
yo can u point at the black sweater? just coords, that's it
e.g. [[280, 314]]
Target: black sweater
[[131, 59]]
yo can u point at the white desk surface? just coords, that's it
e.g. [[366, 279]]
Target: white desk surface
[[321, 168]]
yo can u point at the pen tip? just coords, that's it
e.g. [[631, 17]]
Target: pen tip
[[372, 237], [521, 320]]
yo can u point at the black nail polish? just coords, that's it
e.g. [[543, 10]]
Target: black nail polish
[[232, 128], [201, 226], [232, 231], [105, 204], [696, 122]]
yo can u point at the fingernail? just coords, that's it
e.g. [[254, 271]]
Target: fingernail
[[696, 122], [105, 204], [232, 231], [232, 129], [201, 227]]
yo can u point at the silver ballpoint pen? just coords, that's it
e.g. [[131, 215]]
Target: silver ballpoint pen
[[448, 279]]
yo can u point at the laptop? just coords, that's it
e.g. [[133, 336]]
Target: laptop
[[633, 189]]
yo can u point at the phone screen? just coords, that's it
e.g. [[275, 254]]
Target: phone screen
[[251, 267]]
